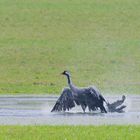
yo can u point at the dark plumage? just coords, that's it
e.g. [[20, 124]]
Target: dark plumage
[[85, 97], [65, 101]]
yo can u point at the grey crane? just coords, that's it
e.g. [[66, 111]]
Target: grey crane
[[85, 97]]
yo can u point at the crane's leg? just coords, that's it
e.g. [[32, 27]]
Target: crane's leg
[[91, 108], [83, 108]]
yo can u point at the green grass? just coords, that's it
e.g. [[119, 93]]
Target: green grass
[[98, 41], [69, 132]]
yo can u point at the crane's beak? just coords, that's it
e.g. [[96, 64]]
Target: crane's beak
[[62, 73]]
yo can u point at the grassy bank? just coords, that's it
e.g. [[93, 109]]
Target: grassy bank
[[98, 41], [69, 132]]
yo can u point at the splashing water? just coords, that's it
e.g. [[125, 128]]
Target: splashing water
[[32, 110]]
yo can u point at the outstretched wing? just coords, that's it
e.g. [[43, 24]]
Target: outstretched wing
[[64, 102], [96, 94], [95, 99]]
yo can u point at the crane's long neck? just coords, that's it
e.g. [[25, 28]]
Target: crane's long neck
[[69, 79], [71, 85]]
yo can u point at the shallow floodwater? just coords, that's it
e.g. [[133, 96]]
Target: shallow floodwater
[[32, 110]]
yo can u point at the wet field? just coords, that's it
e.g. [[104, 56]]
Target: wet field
[[35, 110]]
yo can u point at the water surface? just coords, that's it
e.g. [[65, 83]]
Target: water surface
[[32, 110]]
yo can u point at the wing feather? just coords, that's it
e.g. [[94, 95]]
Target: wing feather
[[95, 99], [65, 101]]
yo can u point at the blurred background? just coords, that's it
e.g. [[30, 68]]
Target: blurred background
[[97, 41]]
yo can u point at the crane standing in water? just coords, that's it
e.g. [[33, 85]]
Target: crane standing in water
[[85, 97]]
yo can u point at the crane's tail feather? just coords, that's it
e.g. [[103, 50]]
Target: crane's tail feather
[[116, 106]]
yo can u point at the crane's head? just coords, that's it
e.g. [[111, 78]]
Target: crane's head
[[66, 73]]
